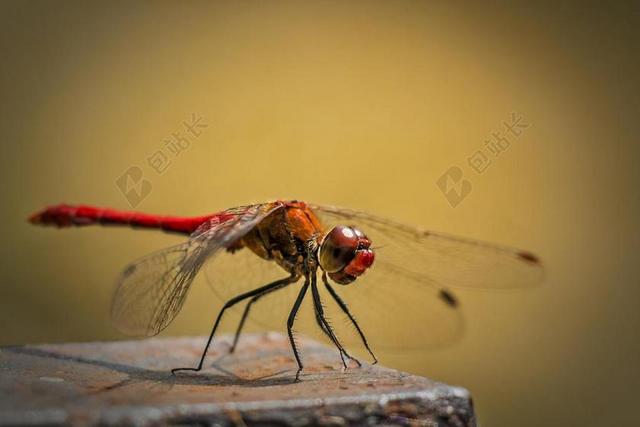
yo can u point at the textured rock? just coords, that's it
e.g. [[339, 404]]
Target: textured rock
[[129, 382]]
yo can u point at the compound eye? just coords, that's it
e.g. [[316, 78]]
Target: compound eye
[[338, 248]]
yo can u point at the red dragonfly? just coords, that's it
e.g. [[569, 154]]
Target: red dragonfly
[[404, 280]]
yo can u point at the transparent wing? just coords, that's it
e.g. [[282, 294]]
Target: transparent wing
[[438, 259], [402, 304], [151, 291], [231, 274], [395, 313], [405, 302]]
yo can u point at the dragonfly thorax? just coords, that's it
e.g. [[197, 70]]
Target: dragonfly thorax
[[345, 253]]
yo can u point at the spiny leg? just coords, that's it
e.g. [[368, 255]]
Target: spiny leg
[[326, 332], [344, 308], [322, 326], [233, 301], [291, 321], [327, 327], [245, 314]]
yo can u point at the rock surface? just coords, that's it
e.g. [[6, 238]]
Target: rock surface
[[129, 382]]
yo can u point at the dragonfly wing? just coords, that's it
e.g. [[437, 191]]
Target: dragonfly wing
[[151, 291], [396, 314], [231, 274], [404, 302], [146, 290], [438, 259]]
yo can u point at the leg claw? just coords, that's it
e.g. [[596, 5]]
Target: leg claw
[[174, 371]]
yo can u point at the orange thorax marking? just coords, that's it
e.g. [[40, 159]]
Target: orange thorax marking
[[272, 239]]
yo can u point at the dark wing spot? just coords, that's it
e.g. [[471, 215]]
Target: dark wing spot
[[448, 298], [129, 270], [529, 257]]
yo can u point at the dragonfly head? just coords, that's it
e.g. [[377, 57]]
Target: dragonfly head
[[345, 254]]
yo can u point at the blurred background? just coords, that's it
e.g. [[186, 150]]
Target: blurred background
[[397, 108]]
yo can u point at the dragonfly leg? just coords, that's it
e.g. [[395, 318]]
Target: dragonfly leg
[[327, 333], [291, 321], [245, 314], [233, 301], [324, 324], [344, 308]]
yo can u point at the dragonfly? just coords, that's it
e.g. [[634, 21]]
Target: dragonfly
[[399, 277]]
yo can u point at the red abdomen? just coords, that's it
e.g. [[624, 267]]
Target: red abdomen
[[67, 216]]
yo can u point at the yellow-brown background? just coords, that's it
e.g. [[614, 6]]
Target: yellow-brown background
[[356, 104]]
